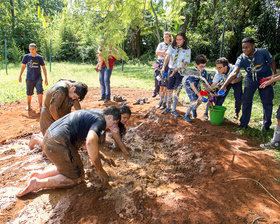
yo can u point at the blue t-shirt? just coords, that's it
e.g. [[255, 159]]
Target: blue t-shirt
[[195, 80], [258, 66], [33, 66], [209, 77], [75, 126]]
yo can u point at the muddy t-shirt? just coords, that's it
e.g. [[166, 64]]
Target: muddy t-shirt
[[75, 126], [57, 96]]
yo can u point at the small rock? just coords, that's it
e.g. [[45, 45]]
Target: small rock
[[213, 169]]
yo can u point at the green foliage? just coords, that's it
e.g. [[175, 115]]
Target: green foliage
[[14, 53], [78, 27]]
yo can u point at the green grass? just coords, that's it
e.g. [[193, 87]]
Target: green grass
[[133, 76]]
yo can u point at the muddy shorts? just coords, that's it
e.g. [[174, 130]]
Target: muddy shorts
[[46, 120], [64, 156], [278, 113]]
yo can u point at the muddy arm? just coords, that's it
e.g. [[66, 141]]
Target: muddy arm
[[117, 138], [55, 103], [93, 152], [77, 105]]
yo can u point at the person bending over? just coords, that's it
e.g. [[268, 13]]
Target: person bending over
[[61, 143], [59, 100]]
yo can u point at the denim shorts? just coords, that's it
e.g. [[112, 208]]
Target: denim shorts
[[30, 84]]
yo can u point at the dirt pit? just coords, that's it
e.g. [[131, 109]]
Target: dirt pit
[[178, 172]]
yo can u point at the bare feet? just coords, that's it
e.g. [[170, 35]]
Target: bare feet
[[31, 186]]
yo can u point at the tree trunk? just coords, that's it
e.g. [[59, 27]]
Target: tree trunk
[[135, 42], [156, 22], [185, 24], [13, 15], [195, 16], [138, 42]]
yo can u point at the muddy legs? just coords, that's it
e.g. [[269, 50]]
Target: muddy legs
[[48, 179]]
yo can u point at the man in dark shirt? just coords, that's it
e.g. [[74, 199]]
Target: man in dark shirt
[[61, 143]]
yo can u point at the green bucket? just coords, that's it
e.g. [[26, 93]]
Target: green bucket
[[217, 114]]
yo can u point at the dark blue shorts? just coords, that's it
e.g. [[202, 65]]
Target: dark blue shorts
[[163, 81], [174, 81], [278, 113], [30, 84]]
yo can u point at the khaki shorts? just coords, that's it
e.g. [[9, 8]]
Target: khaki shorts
[[64, 156]]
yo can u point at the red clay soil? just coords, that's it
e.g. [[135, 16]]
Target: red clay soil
[[178, 172]]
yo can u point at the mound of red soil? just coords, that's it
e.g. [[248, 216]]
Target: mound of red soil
[[178, 172]]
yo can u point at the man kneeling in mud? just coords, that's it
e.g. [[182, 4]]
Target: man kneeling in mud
[[58, 102], [61, 143]]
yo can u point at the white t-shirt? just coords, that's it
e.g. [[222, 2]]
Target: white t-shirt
[[161, 48]]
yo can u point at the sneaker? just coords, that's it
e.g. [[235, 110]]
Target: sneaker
[[166, 110], [28, 108], [205, 117], [187, 118], [236, 115], [159, 105], [163, 106], [101, 99], [270, 145], [106, 100], [154, 95], [175, 113], [194, 113]]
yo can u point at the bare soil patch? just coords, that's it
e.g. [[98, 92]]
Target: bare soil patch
[[178, 172]]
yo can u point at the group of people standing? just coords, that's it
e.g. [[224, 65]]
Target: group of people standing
[[258, 63]]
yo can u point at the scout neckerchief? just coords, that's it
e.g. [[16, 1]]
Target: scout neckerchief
[[176, 55], [254, 72]]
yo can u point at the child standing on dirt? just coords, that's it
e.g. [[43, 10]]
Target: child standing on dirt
[[178, 56], [161, 80], [34, 62], [275, 142], [192, 86], [224, 69], [259, 64]]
